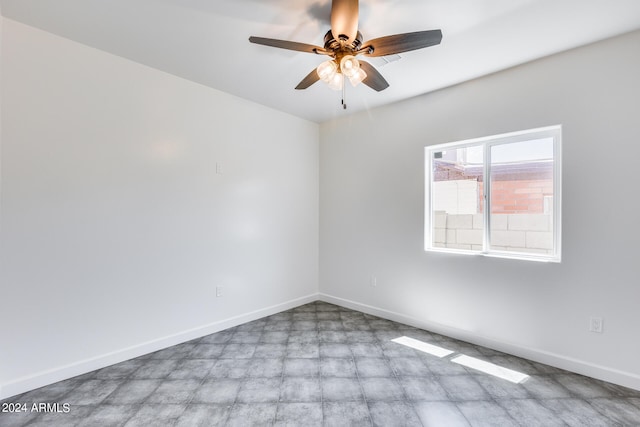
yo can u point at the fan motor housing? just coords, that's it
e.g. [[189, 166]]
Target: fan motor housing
[[330, 43]]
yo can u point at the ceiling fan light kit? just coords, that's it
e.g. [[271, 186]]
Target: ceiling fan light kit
[[329, 72], [348, 44]]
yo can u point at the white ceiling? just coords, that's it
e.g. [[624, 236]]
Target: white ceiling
[[206, 41]]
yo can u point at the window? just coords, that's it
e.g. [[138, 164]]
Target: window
[[497, 195]]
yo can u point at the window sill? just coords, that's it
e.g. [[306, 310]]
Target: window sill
[[505, 255]]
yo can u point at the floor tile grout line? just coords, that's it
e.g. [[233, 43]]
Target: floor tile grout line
[[364, 395], [165, 378], [320, 373], [204, 378], [395, 374]]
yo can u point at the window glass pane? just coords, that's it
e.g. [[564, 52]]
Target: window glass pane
[[522, 197], [457, 198]]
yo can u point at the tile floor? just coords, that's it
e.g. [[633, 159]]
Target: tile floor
[[320, 364]]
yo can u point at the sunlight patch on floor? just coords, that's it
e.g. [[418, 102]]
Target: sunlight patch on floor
[[423, 346], [490, 368]]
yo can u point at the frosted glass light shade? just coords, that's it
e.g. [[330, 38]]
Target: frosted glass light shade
[[358, 77], [327, 70], [336, 82], [349, 65]]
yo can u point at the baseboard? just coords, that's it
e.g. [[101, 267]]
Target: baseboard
[[41, 379], [581, 367]]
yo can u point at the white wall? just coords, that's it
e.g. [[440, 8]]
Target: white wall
[[372, 195], [116, 228]]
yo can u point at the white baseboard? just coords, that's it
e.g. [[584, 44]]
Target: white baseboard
[[588, 369], [41, 379]]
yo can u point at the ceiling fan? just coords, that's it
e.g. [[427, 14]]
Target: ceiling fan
[[343, 42]]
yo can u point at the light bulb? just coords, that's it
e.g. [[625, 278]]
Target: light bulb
[[349, 65], [327, 70], [336, 82], [358, 77]]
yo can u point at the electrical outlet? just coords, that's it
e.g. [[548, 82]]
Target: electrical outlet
[[219, 291], [596, 325], [218, 168], [374, 281]]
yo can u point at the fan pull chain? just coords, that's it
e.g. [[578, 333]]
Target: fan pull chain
[[344, 96]]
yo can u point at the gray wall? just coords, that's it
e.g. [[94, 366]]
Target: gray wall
[[116, 228], [372, 196]]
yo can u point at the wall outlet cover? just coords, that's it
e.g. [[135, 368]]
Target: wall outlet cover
[[596, 325]]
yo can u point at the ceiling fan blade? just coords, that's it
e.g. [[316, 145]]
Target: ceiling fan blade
[[344, 19], [398, 43], [311, 78], [289, 45], [374, 79]]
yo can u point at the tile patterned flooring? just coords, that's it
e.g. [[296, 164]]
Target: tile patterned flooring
[[320, 364]]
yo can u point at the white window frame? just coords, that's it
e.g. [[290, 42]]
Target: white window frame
[[487, 142]]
